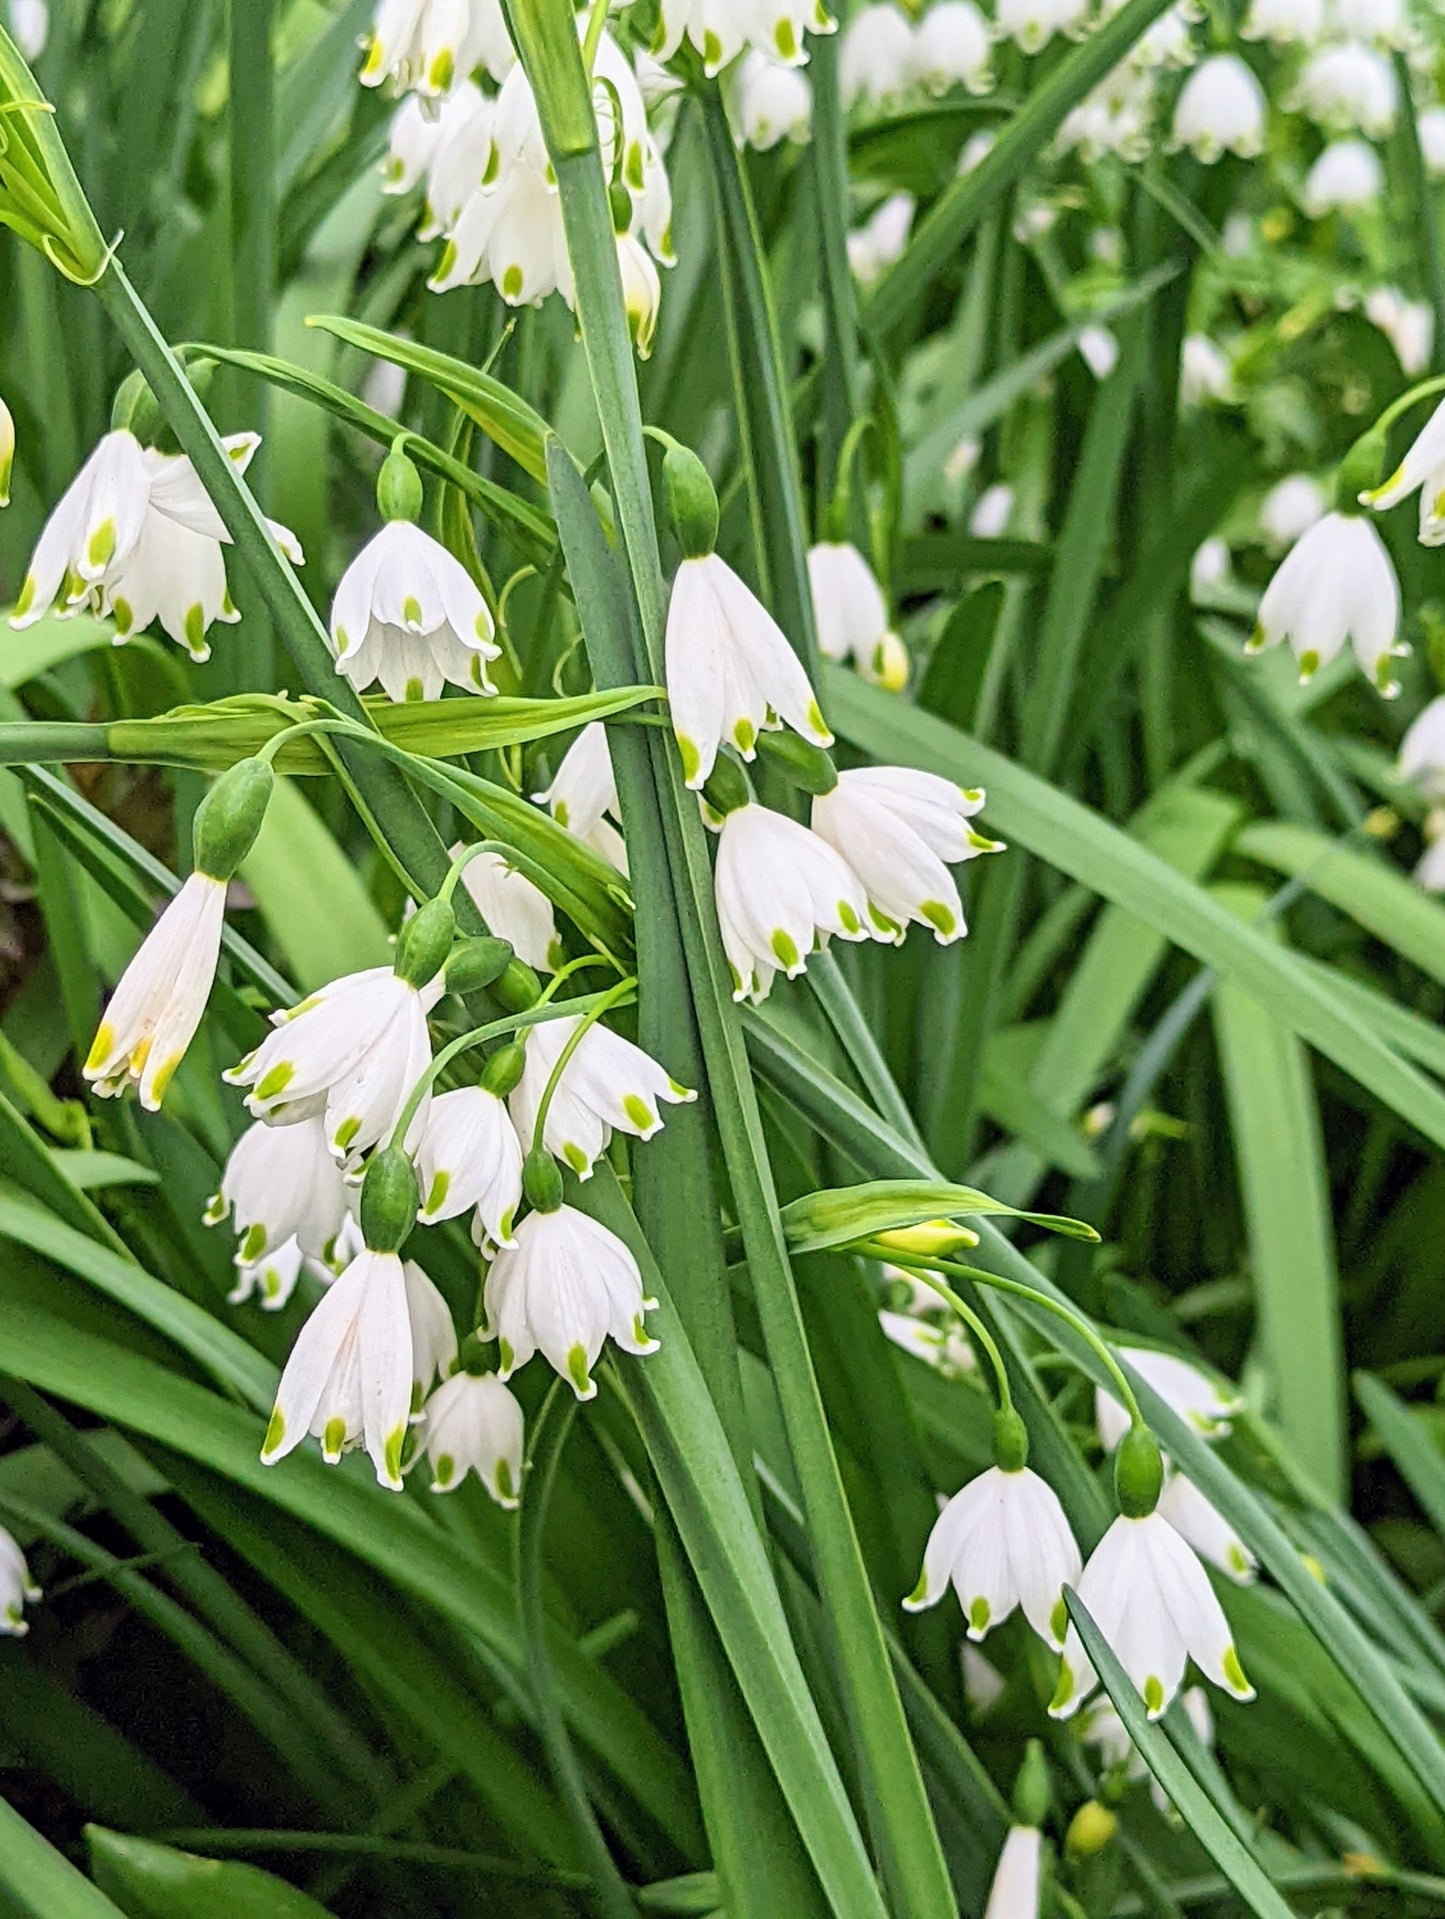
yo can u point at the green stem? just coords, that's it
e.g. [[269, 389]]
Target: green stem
[[601, 1004], [965, 1312]]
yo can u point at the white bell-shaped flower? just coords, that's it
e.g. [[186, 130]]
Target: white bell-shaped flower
[[474, 1425], [348, 1380], [461, 153], [514, 907], [641, 292], [510, 235], [951, 47], [1019, 1876], [779, 888], [1423, 467], [1348, 88], [411, 144], [470, 1159], [584, 792], [1202, 1526], [433, 1335], [1099, 350], [1221, 110], [157, 1005], [608, 1082], [992, 512], [944, 1348], [281, 1183], [852, 615], [880, 241], [778, 26], [7, 451], [427, 45], [1209, 569], [17, 1588], [1430, 869], [1033, 23], [1346, 177], [730, 670], [1003, 1543], [1196, 1396], [875, 59], [1409, 326], [1285, 22], [410, 615], [350, 1055], [1422, 751], [1290, 508], [1205, 372], [1152, 1601], [135, 538], [898, 831], [1430, 126], [1117, 117], [270, 1277], [1336, 584], [1384, 23], [770, 102], [565, 1287], [1168, 45], [718, 29]]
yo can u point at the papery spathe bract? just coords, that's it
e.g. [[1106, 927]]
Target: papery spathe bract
[[348, 1380], [898, 830], [952, 47], [1003, 1543], [1204, 1402], [1017, 1885], [410, 615], [1336, 584], [281, 1183], [1033, 23], [770, 102], [1346, 177], [474, 1425], [1151, 1599], [17, 1588], [152, 1016], [271, 1276], [350, 1055], [607, 1082], [1221, 110], [565, 1287], [470, 1159], [1424, 467], [1201, 1525], [730, 670], [875, 59], [779, 889], [514, 907], [1349, 88]]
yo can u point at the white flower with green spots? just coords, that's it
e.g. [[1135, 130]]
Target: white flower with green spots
[[852, 615], [1202, 1526], [566, 1286], [780, 888], [348, 1381], [898, 831], [426, 46], [514, 907], [433, 1335], [281, 1183], [1018, 1878], [1206, 1403], [136, 539], [270, 1278], [474, 1425], [17, 1588], [410, 615], [349, 1056], [470, 1159], [607, 1082], [1151, 1599], [1422, 469], [583, 794], [730, 671], [1336, 583], [1003, 1543]]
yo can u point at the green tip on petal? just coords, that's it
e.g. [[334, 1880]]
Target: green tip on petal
[[785, 39], [979, 1614], [639, 1112], [1234, 1674], [101, 546], [438, 1193], [276, 1080], [1154, 1695], [1371, 494], [785, 951], [1059, 1619], [818, 724], [1065, 1689], [512, 283], [1309, 664], [443, 1472], [253, 1245], [691, 760], [745, 734], [275, 1433], [506, 1357], [333, 1440], [575, 1158], [391, 1454], [943, 921], [711, 52], [27, 598], [578, 1374], [502, 1481], [918, 1598]]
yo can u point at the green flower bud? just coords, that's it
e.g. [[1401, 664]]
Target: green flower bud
[[424, 942], [134, 409], [806, 765], [390, 1197], [541, 1181], [230, 816], [476, 963], [1032, 1789], [504, 1069], [1138, 1473], [398, 486], [726, 788], [518, 987], [1091, 1829], [691, 501], [1010, 1441]]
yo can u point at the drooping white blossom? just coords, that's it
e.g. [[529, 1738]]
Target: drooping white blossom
[[426, 46], [1209, 569], [1033, 23], [1003, 1544], [461, 154], [1196, 1396], [433, 1335], [17, 1588], [1205, 372], [30, 24], [349, 1054], [875, 59], [770, 102], [1221, 110], [992, 512], [730, 670], [348, 1380], [1348, 88], [873, 247], [1423, 467], [1285, 22], [779, 889], [1201, 1525], [607, 1082], [1336, 583], [1099, 350], [514, 907], [281, 1183], [1151, 1599], [1430, 869], [1422, 750], [944, 1347], [951, 47], [1117, 116], [1430, 125], [1346, 177], [1290, 508], [469, 1159], [1383, 23], [270, 1277], [898, 830], [852, 615], [152, 1016], [408, 614], [584, 792], [566, 1286], [1409, 326], [1017, 1884], [474, 1425]]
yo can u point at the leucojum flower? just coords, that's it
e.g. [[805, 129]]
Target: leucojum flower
[[607, 1082], [157, 1005], [852, 615], [474, 1425], [584, 793], [1337, 583]]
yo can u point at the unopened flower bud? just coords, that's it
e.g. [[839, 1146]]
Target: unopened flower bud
[[726, 787], [424, 942], [808, 766], [1032, 1790], [1138, 1473], [390, 1197], [230, 816], [518, 987], [398, 486], [931, 1238], [1010, 1441], [477, 963], [1090, 1830], [541, 1181], [503, 1071], [691, 501]]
